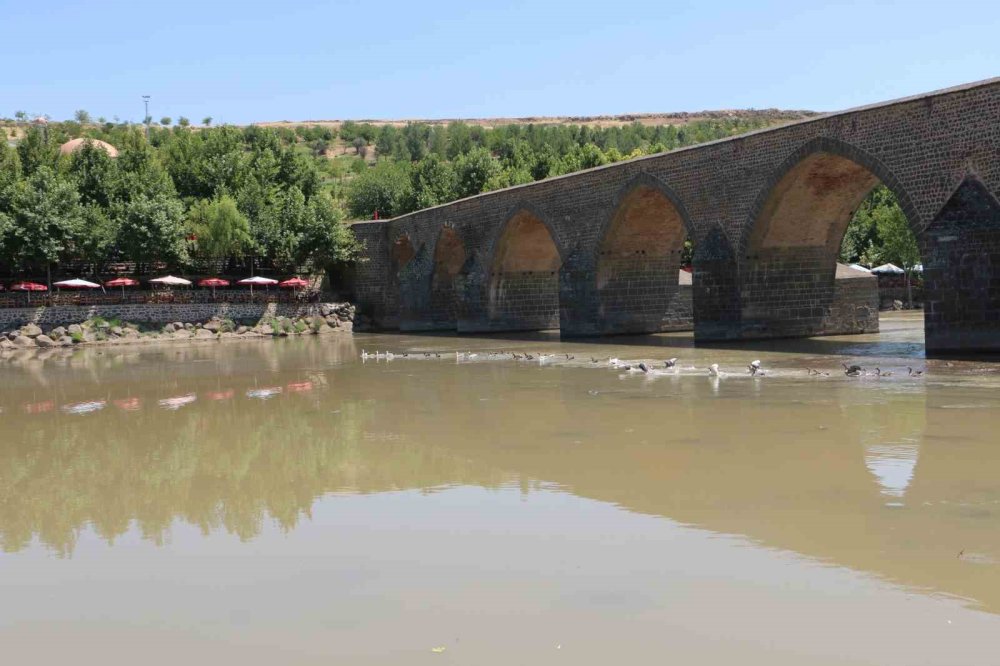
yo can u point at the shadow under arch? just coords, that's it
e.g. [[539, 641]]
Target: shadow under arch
[[789, 271], [401, 254], [523, 280], [450, 257], [638, 261]]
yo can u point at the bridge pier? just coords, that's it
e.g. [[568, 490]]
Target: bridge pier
[[961, 250]]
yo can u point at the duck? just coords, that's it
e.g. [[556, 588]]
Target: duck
[[754, 368], [670, 362], [914, 373], [364, 354], [852, 370], [817, 373], [879, 373], [714, 371]]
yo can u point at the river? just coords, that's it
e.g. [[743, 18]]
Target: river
[[290, 502]]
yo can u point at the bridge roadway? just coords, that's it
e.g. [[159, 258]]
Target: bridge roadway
[[597, 252]]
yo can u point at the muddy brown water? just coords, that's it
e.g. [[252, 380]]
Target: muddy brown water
[[288, 502]]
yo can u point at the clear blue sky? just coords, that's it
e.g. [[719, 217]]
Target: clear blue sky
[[308, 59]]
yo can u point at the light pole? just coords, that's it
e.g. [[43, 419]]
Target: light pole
[[145, 118]]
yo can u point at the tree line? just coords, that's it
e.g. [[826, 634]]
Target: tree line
[[420, 165], [178, 198]]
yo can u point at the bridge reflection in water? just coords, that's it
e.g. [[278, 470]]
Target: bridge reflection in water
[[897, 479]]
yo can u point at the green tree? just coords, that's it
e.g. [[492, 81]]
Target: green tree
[[220, 228], [35, 151], [43, 220], [207, 121], [10, 173], [152, 229], [183, 122], [324, 239], [385, 188], [95, 174], [433, 182], [166, 121], [96, 238], [82, 116], [898, 243], [474, 170]]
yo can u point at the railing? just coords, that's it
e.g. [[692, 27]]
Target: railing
[[142, 297]]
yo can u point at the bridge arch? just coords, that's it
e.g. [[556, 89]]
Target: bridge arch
[[449, 257], [523, 280], [639, 261], [791, 246]]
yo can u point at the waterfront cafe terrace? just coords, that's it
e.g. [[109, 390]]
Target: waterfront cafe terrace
[[129, 290]]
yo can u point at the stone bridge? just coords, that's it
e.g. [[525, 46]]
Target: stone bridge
[[597, 252]]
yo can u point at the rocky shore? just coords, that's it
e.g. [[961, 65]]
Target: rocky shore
[[330, 318]]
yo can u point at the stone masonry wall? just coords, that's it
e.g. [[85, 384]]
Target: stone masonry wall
[[961, 253], [520, 301], [638, 295], [160, 313]]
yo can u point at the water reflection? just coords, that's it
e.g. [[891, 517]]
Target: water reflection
[[233, 438]]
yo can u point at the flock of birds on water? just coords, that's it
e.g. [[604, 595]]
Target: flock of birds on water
[[669, 366]]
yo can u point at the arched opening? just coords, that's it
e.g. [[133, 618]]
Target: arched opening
[[640, 285], [524, 280], [792, 285], [449, 257]]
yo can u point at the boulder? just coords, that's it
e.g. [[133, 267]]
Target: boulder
[[31, 330], [204, 334], [45, 341], [189, 326], [57, 332], [117, 330], [347, 326], [241, 330], [169, 328], [265, 329], [74, 329], [65, 341], [213, 325], [23, 341], [6, 344]]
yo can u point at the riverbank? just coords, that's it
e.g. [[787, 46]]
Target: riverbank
[[53, 332]]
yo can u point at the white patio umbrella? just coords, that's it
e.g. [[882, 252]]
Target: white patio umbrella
[[76, 283], [888, 269], [171, 280], [256, 280]]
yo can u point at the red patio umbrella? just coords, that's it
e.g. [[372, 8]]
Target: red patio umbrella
[[294, 283], [28, 287], [213, 282], [122, 282]]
